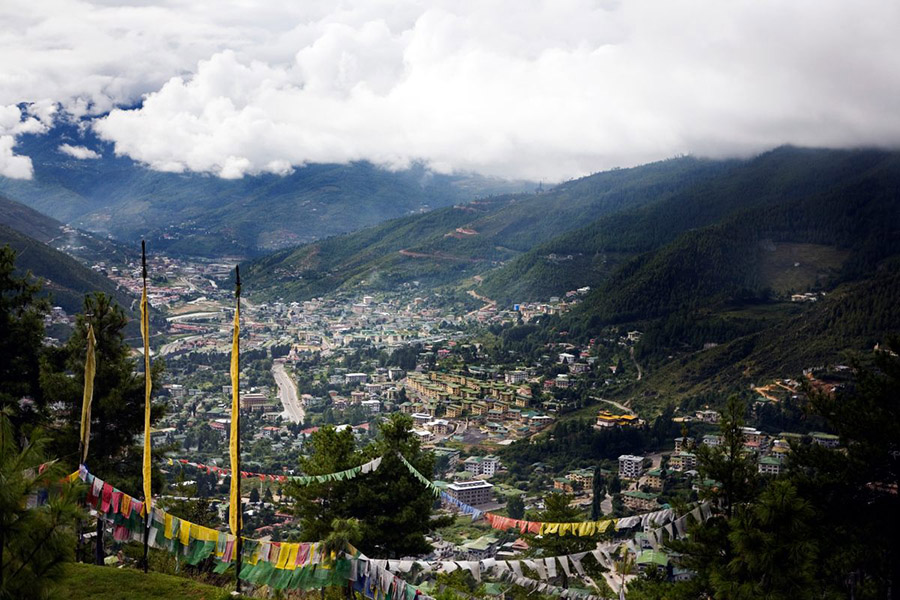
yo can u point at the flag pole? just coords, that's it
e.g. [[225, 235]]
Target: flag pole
[[145, 334], [235, 509]]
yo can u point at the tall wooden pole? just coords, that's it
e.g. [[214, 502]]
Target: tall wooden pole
[[145, 322], [236, 473]]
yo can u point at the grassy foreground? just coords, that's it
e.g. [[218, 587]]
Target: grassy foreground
[[89, 582]]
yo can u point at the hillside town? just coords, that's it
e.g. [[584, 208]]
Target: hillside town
[[349, 361]]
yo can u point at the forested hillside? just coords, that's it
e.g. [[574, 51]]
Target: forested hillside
[[589, 254], [449, 245], [65, 280]]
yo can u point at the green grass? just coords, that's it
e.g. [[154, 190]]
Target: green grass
[[795, 268], [89, 582]]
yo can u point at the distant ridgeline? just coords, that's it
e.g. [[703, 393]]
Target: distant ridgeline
[[696, 254], [36, 237], [201, 215]]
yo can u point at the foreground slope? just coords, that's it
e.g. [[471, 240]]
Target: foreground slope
[[88, 582]]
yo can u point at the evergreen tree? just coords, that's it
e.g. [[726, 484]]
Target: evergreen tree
[[117, 413], [598, 490], [774, 548], [21, 337], [392, 506], [558, 510], [853, 491], [728, 465], [515, 507], [34, 542]]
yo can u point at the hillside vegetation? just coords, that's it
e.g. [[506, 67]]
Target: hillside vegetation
[[65, 279], [452, 244]]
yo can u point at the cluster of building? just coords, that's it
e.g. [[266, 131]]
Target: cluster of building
[[770, 452], [498, 406]]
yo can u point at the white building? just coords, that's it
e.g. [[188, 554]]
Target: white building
[[472, 493], [514, 377], [566, 358], [630, 466], [482, 465], [356, 378], [373, 406]]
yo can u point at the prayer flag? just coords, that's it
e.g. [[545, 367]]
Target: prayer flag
[[90, 369]]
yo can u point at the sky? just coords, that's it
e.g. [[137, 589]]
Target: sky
[[517, 89]]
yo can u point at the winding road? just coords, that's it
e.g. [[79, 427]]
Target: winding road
[[287, 392]]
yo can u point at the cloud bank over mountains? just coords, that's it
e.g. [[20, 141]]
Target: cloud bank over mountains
[[518, 89]]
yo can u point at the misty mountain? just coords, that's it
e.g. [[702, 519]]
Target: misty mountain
[[198, 214]]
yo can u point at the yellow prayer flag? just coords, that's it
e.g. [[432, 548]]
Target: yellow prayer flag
[[284, 553], [145, 333], [90, 369], [184, 533], [167, 527], [292, 557], [235, 500]]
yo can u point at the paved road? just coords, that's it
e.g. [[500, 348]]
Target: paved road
[[174, 346], [621, 407], [639, 370], [287, 392]]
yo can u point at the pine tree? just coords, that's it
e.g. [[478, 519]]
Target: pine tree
[[392, 506], [117, 414], [732, 470], [558, 510], [515, 507], [35, 542], [598, 489], [21, 337]]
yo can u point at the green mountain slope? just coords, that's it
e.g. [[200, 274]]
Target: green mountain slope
[[65, 279], [728, 285], [84, 246], [448, 245], [28, 221], [858, 217], [590, 254], [853, 318]]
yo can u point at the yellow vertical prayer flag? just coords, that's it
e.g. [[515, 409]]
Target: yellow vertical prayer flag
[[145, 333], [90, 369], [235, 501]]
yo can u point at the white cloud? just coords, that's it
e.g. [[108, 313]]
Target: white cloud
[[79, 152], [543, 89], [11, 164], [12, 124]]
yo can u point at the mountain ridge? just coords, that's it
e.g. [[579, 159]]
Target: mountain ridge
[[202, 215]]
